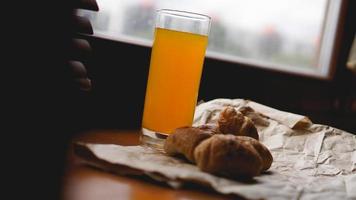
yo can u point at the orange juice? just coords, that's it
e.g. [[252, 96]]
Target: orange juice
[[173, 82]]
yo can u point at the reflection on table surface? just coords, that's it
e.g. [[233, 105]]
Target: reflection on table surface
[[83, 182]]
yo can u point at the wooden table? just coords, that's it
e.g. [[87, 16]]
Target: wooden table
[[82, 182]]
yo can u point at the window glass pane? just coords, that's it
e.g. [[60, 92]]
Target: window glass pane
[[274, 32]]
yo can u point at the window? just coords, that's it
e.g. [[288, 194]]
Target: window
[[294, 36]]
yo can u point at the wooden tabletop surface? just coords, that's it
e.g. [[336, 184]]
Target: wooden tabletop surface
[[83, 182]]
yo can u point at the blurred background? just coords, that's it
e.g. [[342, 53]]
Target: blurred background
[[286, 34], [292, 55]]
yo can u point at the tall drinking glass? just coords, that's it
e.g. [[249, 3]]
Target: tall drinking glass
[[177, 58]]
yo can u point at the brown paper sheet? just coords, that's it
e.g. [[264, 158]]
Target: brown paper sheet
[[311, 161]]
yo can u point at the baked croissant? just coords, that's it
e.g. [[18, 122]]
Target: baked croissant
[[226, 155], [234, 122], [184, 140]]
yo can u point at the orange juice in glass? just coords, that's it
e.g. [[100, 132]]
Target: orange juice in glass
[[177, 58]]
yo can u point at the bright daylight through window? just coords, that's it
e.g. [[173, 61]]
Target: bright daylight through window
[[294, 36]]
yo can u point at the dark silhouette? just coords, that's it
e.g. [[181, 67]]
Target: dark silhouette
[[45, 83]]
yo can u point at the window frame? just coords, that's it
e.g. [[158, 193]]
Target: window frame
[[332, 29]]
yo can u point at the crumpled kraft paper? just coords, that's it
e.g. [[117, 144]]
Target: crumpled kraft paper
[[311, 161]]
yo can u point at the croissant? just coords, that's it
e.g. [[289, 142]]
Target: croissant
[[226, 155], [184, 140], [234, 122]]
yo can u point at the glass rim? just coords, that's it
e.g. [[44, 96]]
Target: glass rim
[[182, 13]]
